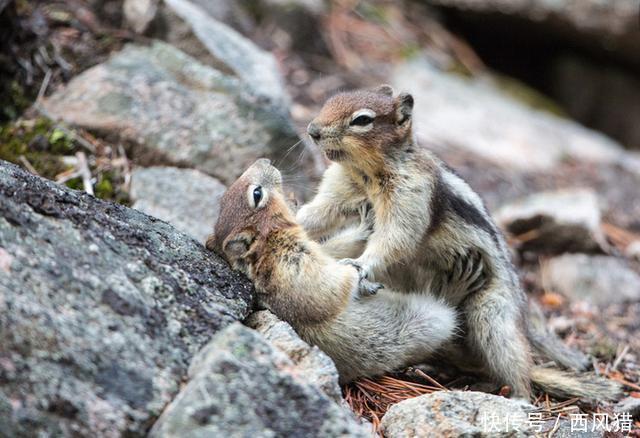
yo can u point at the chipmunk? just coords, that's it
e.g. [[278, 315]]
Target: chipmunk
[[257, 234], [429, 225]]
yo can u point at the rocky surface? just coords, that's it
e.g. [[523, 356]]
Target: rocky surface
[[477, 414], [611, 25], [240, 385], [309, 361], [629, 405], [494, 126], [101, 310], [139, 13], [172, 109], [186, 198], [599, 279], [256, 68], [555, 222], [605, 98]]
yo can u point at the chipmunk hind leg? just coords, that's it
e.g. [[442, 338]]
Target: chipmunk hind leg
[[497, 337]]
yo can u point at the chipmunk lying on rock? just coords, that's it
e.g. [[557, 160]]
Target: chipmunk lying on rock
[[258, 235], [431, 228]]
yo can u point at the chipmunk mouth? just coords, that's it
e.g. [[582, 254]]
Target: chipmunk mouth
[[334, 154]]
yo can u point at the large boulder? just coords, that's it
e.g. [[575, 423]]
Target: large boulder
[[101, 309], [171, 109], [554, 222], [601, 280], [240, 385], [186, 198], [477, 414]]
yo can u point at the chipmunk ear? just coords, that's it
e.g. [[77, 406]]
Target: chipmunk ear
[[385, 89], [404, 107]]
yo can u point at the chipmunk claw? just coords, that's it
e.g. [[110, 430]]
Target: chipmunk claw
[[366, 287]]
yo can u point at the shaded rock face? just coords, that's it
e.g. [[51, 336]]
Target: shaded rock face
[[241, 385], [457, 413], [172, 109], [605, 98], [186, 198], [555, 222], [610, 24], [599, 279], [101, 310]]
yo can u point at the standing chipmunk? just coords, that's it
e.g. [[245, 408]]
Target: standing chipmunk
[[257, 234], [429, 227]]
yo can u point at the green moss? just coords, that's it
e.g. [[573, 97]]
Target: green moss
[[104, 188], [61, 143], [75, 184], [110, 187], [37, 142], [44, 147]]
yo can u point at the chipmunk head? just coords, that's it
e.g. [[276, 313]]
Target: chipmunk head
[[252, 206], [362, 124]]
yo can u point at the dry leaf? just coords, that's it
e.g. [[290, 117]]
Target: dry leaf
[[552, 300]]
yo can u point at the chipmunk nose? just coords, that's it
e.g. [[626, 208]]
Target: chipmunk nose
[[314, 131]]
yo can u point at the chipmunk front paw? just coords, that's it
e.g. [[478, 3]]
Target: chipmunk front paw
[[365, 286], [368, 288]]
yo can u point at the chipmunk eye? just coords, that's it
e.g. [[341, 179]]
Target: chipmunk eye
[[257, 195], [362, 120]]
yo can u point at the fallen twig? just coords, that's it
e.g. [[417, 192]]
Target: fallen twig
[[85, 173], [28, 165]]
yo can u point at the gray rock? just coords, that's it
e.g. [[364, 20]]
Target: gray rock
[[235, 13], [598, 279], [309, 361], [186, 198], [256, 68], [173, 110], [477, 414], [299, 22], [494, 126], [101, 309], [139, 13], [240, 385], [559, 221], [629, 405]]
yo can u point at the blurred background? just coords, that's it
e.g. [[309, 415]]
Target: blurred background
[[159, 105]]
